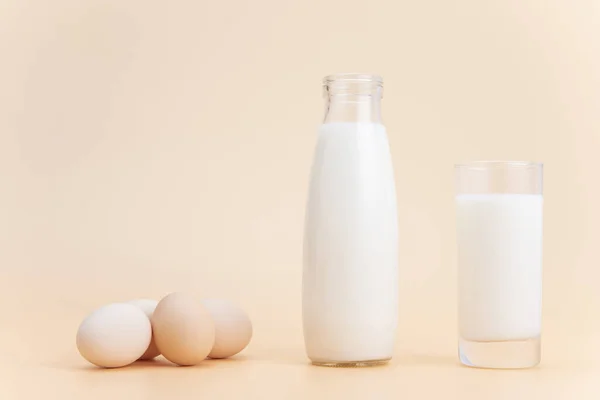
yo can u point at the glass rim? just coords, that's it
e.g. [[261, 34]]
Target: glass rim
[[353, 77], [486, 165]]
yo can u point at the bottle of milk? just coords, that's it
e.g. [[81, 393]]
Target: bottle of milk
[[350, 277]]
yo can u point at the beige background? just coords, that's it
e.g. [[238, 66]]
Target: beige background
[[151, 146]]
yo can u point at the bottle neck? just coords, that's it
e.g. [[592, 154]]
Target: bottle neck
[[352, 98]]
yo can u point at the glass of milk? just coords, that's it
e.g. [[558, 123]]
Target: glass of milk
[[499, 208], [350, 277]]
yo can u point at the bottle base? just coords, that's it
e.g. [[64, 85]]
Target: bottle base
[[509, 354], [351, 364]]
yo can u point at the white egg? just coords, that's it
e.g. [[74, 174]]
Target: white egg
[[233, 329], [147, 306], [183, 329], [114, 335]]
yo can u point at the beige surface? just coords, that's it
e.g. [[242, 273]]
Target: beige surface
[[148, 147]]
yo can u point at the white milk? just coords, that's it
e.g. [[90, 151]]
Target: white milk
[[499, 266], [350, 282]]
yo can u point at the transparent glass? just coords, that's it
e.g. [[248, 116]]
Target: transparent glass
[[350, 272], [499, 219], [352, 98]]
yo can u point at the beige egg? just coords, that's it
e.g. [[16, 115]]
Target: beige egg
[[114, 335], [147, 306], [233, 329], [184, 331]]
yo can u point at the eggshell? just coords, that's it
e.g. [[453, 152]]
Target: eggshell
[[184, 331], [233, 329], [114, 335], [147, 306]]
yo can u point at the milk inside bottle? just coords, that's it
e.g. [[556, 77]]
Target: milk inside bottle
[[350, 277]]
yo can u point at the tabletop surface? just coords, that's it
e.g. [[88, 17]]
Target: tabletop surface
[[285, 374], [40, 360]]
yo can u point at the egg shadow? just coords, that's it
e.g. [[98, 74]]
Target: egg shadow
[[222, 362], [136, 366], [154, 363]]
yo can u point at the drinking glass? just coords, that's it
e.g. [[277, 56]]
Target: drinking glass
[[499, 210]]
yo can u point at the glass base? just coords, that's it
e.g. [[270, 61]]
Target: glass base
[[351, 364], [524, 353]]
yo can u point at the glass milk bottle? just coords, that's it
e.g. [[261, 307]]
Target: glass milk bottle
[[350, 277]]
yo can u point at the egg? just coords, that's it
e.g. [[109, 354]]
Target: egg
[[233, 329], [114, 335], [184, 331], [147, 306]]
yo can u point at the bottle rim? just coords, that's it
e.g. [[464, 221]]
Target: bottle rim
[[353, 77]]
